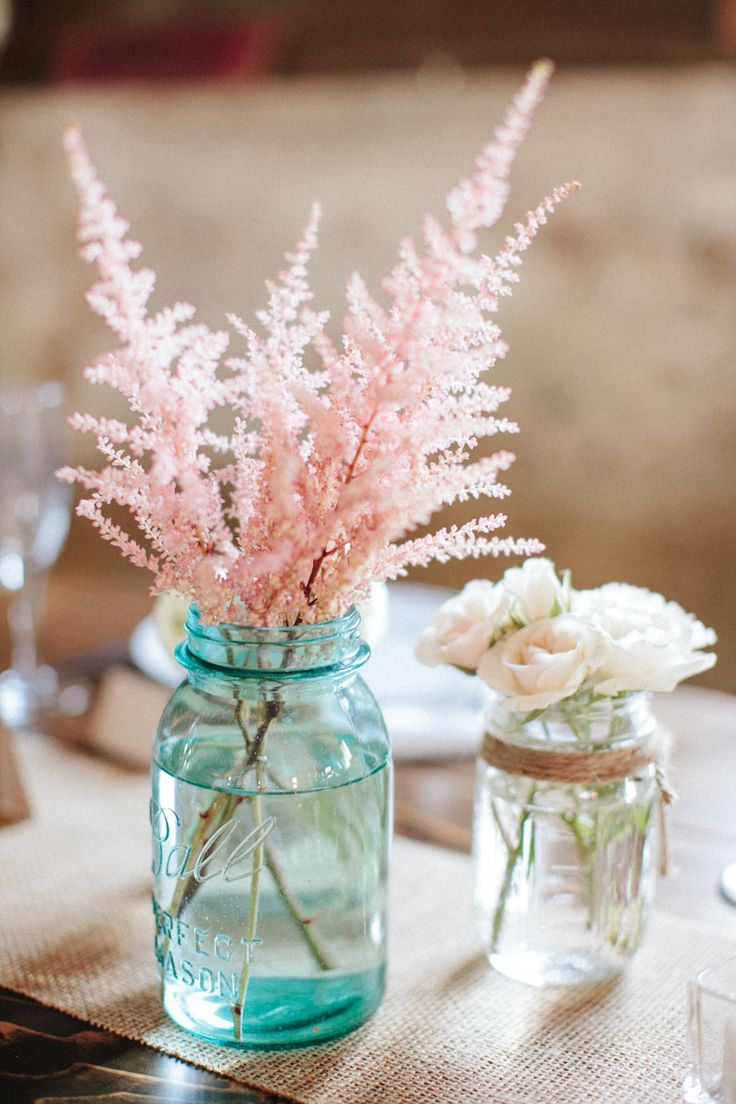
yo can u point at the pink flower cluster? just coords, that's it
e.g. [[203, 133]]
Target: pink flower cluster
[[326, 470]]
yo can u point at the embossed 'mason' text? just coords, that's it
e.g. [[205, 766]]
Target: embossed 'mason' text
[[201, 958]]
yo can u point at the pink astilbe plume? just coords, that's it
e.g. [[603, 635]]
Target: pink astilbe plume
[[326, 472]]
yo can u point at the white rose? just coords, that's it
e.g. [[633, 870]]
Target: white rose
[[542, 663], [534, 590], [623, 608], [637, 663], [464, 626], [651, 644]]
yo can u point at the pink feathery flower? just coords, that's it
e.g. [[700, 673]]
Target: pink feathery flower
[[325, 474]]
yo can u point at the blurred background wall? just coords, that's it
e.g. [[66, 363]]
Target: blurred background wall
[[215, 131]]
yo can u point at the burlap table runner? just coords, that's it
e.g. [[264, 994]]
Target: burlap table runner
[[76, 933]]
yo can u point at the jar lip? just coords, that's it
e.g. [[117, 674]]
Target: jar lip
[[558, 727], [281, 652], [197, 665], [244, 632], [627, 699]]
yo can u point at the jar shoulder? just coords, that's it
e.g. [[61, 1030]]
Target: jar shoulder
[[251, 734]]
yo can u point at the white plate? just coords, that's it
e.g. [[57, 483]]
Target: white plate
[[150, 656], [431, 712]]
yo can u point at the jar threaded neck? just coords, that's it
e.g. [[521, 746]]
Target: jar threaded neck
[[277, 651]]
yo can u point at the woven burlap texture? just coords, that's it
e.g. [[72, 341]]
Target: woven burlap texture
[[76, 933]]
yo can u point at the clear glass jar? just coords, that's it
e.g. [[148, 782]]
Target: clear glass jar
[[711, 1035], [565, 870], [271, 819]]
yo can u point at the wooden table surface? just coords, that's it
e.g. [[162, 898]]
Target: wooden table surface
[[46, 1055]]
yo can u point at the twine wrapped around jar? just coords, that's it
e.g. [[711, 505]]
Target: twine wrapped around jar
[[589, 767]]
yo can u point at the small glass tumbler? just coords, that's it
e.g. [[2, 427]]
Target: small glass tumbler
[[711, 1034]]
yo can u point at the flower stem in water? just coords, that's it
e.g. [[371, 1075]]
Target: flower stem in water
[[292, 907], [512, 859], [255, 892]]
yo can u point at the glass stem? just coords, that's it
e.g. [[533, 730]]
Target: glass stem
[[22, 613]]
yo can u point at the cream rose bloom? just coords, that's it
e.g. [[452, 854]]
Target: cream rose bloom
[[542, 663], [534, 590], [651, 644], [464, 626]]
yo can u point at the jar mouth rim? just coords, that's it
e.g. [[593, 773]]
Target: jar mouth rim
[[197, 664], [281, 652], [554, 728], [560, 710], [289, 634]]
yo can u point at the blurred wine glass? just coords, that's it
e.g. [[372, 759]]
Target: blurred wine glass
[[35, 511]]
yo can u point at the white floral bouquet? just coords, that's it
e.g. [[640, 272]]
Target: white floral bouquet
[[573, 766], [536, 641]]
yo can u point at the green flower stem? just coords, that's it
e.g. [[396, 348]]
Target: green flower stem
[[586, 848], [290, 902], [512, 859], [582, 735], [255, 893], [218, 813], [499, 825], [598, 821], [265, 855], [305, 923], [633, 828]]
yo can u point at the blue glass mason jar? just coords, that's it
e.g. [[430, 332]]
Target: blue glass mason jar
[[271, 822]]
